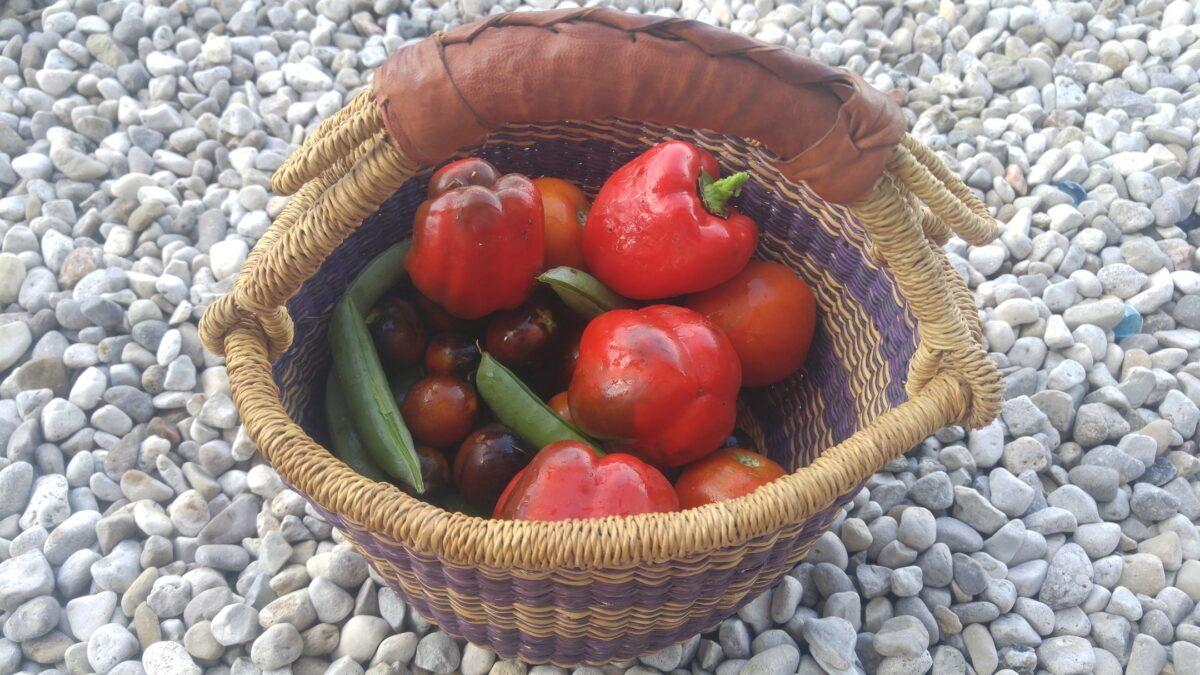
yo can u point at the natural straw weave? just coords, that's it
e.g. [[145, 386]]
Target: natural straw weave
[[897, 355]]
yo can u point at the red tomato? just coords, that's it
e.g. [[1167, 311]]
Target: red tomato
[[728, 473], [558, 403], [768, 313], [440, 410], [565, 208], [659, 382]]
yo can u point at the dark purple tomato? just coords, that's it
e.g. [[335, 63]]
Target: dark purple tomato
[[523, 338], [452, 355], [486, 462], [399, 334], [435, 471]]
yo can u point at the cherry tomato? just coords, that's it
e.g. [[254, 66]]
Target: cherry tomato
[[486, 462], [728, 473], [558, 403], [565, 208], [435, 471], [398, 333], [451, 355], [440, 410], [523, 338], [768, 313]]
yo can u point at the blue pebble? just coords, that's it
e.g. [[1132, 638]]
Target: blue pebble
[[1130, 324], [1075, 190]]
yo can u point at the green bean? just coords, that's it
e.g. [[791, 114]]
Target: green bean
[[364, 386], [379, 276], [520, 409], [583, 292], [346, 444]]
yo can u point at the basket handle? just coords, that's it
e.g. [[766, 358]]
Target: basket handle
[[907, 217], [827, 126]]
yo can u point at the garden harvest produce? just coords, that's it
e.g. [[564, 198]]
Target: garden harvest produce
[[478, 240], [369, 400], [659, 382], [519, 408], [441, 410], [565, 208], [582, 292], [519, 338], [472, 346], [486, 463], [768, 313], [728, 473], [661, 226], [435, 470], [568, 479], [398, 333], [451, 355]]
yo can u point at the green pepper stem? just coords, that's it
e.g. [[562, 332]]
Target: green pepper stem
[[715, 194]]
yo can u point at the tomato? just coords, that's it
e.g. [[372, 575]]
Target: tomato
[[486, 462], [399, 335], [523, 338], [558, 403], [565, 208], [435, 471], [440, 410], [768, 313], [728, 473]]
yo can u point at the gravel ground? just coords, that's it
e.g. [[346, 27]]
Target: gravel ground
[[140, 532]]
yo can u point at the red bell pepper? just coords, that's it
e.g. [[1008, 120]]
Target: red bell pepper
[[660, 383], [660, 226], [568, 479], [477, 241]]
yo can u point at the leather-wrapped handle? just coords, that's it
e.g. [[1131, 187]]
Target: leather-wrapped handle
[[826, 125]]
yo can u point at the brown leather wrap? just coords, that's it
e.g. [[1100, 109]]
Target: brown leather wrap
[[827, 126]]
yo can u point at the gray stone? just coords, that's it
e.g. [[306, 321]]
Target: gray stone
[[831, 642], [278, 646], [437, 652], [108, 646], [23, 578]]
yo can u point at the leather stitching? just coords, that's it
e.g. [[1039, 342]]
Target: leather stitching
[[441, 49]]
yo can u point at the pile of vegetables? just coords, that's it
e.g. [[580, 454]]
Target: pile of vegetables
[[531, 356]]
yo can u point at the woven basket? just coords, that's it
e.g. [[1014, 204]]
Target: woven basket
[[842, 195]]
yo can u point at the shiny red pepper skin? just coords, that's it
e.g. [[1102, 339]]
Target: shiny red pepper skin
[[648, 234], [477, 241], [568, 479], [659, 382]]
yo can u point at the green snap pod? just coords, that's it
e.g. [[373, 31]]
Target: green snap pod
[[520, 409], [582, 292]]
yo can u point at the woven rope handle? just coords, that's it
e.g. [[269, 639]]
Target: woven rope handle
[[328, 208], [908, 217]]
